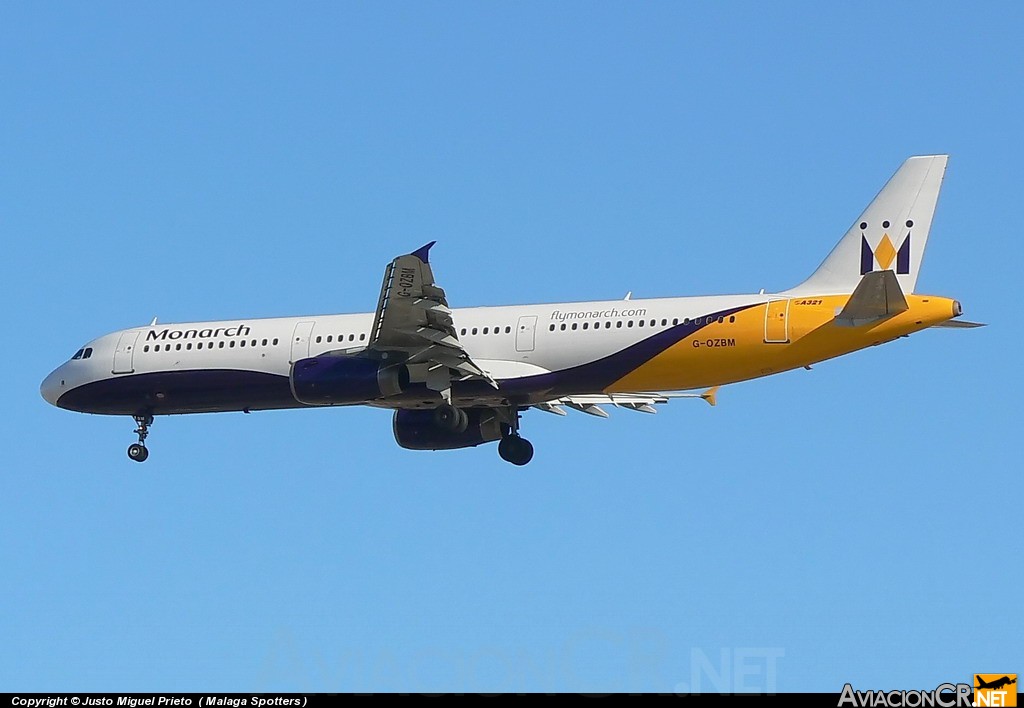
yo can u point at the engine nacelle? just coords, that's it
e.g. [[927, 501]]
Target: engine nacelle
[[335, 380], [416, 430]]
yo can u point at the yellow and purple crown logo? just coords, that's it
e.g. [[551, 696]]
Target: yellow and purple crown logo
[[885, 252]]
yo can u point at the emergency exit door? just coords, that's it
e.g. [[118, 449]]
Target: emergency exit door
[[300, 340], [526, 333]]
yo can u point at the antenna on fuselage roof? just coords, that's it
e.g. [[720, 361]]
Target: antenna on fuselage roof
[[153, 322]]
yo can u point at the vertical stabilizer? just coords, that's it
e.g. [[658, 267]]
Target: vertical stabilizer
[[891, 234]]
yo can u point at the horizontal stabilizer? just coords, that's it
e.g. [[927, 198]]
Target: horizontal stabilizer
[[877, 295], [959, 324]]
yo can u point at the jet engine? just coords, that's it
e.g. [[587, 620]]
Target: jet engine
[[419, 430], [337, 380]]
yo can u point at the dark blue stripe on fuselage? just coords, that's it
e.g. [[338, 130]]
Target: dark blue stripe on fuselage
[[169, 392], [218, 390], [598, 375]]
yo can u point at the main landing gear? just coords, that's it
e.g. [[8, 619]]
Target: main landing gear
[[450, 418], [137, 451], [513, 447]]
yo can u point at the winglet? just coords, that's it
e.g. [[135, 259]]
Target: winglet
[[711, 395], [423, 252]]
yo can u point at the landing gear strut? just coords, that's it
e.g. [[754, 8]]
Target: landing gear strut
[[137, 451], [513, 447]]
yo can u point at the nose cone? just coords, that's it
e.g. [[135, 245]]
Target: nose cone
[[52, 386]]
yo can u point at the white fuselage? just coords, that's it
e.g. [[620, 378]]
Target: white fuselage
[[512, 342]]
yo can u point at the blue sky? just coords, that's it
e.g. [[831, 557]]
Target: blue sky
[[853, 523]]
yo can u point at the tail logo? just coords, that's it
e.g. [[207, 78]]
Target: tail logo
[[885, 252]]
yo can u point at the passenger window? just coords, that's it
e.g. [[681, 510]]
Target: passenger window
[[485, 330], [463, 331], [318, 340], [675, 321], [145, 348], [265, 341], [351, 337], [474, 330], [231, 344], [562, 327], [178, 346], [686, 320], [618, 324], [732, 318], [220, 344], [721, 320], [508, 330], [630, 323], [330, 338], [585, 325], [608, 325], [189, 346], [574, 325], [664, 323], [253, 343], [640, 323], [362, 336], [275, 341], [241, 343], [551, 328]]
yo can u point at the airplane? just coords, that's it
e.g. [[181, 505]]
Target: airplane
[[997, 683], [458, 378]]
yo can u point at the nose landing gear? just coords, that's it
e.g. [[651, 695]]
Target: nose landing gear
[[137, 452]]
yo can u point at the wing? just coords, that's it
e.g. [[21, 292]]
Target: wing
[[413, 320], [642, 402]]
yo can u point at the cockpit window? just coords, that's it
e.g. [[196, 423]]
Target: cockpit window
[[78, 354]]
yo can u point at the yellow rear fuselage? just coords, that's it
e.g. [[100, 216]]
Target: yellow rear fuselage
[[776, 336]]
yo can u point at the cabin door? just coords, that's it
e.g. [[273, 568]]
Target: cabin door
[[776, 322], [124, 355]]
